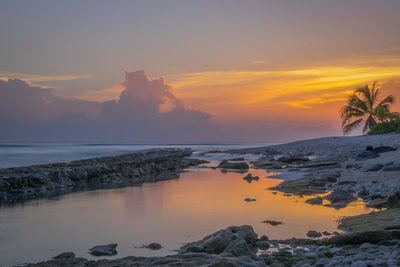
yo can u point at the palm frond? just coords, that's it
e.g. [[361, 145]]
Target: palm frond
[[351, 126]]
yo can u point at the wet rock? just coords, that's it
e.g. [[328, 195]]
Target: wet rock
[[65, 255], [374, 168], [104, 250], [47, 180], [313, 234], [153, 246], [250, 199], [273, 223], [249, 178], [233, 165], [353, 165], [383, 149], [314, 201], [372, 236], [220, 241], [340, 195], [393, 200], [293, 159]]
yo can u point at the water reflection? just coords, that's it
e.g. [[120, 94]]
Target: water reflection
[[168, 212]]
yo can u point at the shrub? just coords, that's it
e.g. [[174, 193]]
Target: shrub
[[385, 127]]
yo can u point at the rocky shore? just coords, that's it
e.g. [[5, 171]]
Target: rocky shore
[[241, 246], [24, 183]]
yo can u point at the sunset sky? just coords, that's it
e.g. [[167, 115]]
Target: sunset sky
[[233, 71]]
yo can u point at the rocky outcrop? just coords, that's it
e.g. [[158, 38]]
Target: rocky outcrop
[[24, 183], [103, 250], [233, 165]]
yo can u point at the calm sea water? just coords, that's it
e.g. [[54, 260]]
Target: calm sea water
[[13, 155], [171, 212]]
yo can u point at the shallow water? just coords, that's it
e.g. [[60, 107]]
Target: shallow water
[[168, 212]]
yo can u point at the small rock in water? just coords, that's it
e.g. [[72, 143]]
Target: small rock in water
[[250, 199], [249, 178], [104, 250], [273, 223], [314, 201], [313, 234], [153, 246]]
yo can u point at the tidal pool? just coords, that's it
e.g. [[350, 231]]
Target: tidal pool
[[171, 213]]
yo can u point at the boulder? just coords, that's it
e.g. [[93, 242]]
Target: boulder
[[104, 250], [237, 240], [314, 201], [233, 165], [153, 246], [340, 195], [313, 234]]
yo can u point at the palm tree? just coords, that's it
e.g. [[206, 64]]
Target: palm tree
[[365, 106]]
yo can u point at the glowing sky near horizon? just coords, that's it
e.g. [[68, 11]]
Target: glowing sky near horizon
[[253, 62]]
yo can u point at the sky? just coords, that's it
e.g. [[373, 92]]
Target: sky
[[190, 71]]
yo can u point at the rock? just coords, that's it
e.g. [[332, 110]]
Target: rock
[[273, 223], [48, 180], [383, 149], [326, 233], [233, 165], [393, 200], [104, 250], [227, 240], [371, 236], [314, 201], [250, 199], [263, 244], [340, 195], [249, 178], [367, 246], [265, 258], [313, 234], [363, 193], [153, 246], [292, 159], [392, 168], [65, 255], [374, 168], [353, 165]]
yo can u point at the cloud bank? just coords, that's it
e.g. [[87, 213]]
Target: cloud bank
[[147, 111]]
